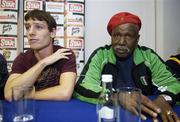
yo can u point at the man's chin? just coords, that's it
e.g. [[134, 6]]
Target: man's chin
[[35, 48], [123, 56]]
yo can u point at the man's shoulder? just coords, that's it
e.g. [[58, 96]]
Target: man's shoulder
[[100, 51], [176, 56], [103, 54], [104, 48], [25, 56], [143, 53], [26, 53], [1, 56], [2, 59], [146, 50], [56, 47], [174, 60]]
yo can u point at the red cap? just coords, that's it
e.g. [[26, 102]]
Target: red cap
[[122, 18]]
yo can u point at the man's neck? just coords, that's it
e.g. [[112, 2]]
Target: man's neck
[[43, 53], [122, 58]]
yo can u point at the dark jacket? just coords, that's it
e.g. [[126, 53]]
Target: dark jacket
[[3, 75], [174, 64]]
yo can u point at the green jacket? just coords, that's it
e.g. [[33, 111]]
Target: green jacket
[[149, 73]]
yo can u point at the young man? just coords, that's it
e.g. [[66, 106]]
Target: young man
[[131, 66], [3, 75], [50, 69]]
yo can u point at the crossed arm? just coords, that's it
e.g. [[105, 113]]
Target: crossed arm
[[63, 91]]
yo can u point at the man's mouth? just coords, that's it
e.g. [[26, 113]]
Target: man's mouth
[[122, 50], [32, 40]]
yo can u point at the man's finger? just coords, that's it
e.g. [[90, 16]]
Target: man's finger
[[164, 117], [149, 104], [135, 111], [173, 117], [143, 117], [155, 120], [148, 111]]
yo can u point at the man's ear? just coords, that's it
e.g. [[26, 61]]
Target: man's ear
[[138, 36], [53, 33]]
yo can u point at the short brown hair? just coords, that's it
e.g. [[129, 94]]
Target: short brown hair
[[41, 16]]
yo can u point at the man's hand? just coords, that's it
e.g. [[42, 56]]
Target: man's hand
[[130, 102], [148, 107], [167, 114], [59, 54]]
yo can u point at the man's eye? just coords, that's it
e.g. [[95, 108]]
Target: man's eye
[[129, 36], [116, 35], [39, 27], [27, 27]]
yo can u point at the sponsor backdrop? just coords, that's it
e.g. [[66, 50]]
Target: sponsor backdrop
[[69, 15], [8, 29]]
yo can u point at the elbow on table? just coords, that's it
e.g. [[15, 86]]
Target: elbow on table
[[66, 96], [8, 97], [7, 93]]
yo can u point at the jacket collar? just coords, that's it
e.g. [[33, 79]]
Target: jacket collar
[[138, 56]]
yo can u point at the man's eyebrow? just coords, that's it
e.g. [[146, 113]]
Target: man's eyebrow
[[36, 23]]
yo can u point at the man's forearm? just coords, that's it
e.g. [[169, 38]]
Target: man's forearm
[[30, 76], [54, 93], [26, 79]]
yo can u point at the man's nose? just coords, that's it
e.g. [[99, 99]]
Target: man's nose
[[122, 40], [31, 30]]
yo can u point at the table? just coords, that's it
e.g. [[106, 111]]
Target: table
[[61, 111]]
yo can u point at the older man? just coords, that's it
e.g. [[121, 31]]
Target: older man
[[131, 65]]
